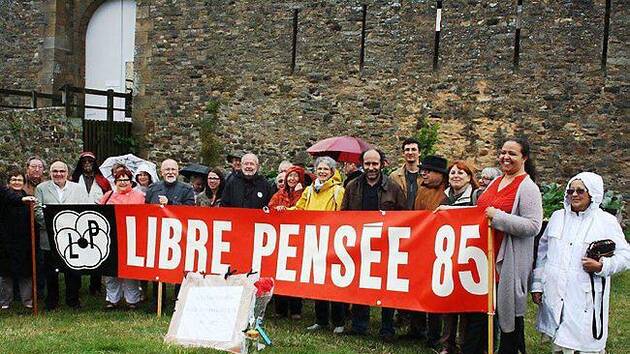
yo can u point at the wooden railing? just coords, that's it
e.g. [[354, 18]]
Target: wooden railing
[[33, 96]]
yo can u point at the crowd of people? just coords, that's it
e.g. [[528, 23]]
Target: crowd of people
[[571, 289]]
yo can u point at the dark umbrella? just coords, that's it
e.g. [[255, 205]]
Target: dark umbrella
[[341, 148], [194, 170]]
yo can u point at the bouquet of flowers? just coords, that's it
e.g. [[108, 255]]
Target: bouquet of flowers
[[256, 336]]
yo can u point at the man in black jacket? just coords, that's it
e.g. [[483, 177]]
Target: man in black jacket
[[169, 192], [373, 190], [247, 189]]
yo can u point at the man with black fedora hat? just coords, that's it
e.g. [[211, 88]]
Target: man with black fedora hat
[[434, 172]]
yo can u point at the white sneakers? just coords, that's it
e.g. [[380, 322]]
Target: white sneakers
[[316, 327]]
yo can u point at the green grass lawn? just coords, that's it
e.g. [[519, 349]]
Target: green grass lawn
[[92, 330]]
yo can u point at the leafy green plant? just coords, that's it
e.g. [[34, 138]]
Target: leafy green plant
[[211, 149], [552, 198], [428, 136], [612, 202]]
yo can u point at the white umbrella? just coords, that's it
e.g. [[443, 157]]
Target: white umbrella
[[132, 162]]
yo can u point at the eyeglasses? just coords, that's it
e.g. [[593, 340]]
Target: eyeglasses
[[123, 180], [579, 191], [280, 181]]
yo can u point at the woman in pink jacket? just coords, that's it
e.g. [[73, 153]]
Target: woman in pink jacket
[[115, 288]]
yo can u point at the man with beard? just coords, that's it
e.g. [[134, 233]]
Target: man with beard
[[408, 175], [89, 177], [373, 190], [247, 189], [169, 191], [58, 191], [34, 174], [434, 172]]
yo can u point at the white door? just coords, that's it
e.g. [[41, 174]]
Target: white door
[[109, 50]]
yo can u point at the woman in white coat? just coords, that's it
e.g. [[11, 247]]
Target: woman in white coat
[[562, 285]]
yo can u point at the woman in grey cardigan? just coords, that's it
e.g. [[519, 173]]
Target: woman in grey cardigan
[[513, 204]]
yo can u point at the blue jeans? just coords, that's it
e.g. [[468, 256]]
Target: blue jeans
[[361, 319]]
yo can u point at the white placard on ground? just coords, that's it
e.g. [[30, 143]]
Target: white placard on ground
[[212, 312], [209, 313]]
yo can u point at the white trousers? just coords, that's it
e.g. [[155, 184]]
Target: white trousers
[[115, 288], [556, 349]]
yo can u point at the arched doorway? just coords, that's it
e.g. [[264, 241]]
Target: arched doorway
[[109, 52]]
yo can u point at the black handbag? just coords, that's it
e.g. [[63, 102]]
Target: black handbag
[[600, 248], [596, 250]]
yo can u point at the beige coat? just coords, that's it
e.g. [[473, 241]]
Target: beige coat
[[398, 176]]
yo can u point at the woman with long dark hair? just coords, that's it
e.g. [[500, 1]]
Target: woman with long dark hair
[[513, 204], [211, 196]]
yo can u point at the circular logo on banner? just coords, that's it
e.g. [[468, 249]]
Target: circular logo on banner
[[82, 240]]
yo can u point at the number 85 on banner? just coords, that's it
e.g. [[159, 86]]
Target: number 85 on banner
[[443, 278]]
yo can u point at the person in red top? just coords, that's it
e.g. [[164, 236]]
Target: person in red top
[[284, 199], [513, 204], [293, 187]]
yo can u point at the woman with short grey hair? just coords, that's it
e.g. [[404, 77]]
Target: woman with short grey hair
[[325, 194], [487, 175]]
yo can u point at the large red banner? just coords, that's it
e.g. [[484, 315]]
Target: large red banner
[[417, 260]]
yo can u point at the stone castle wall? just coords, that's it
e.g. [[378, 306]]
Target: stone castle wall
[[45, 132], [239, 53]]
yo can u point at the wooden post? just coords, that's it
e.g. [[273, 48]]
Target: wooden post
[[362, 52], [110, 105], [606, 34], [65, 98], [129, 104], [294, 41], [517, 35], [490, 288], [159, 300], [31, 207], [438, 28], [33, 99]]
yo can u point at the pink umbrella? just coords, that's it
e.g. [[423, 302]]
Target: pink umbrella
[[341, 148]]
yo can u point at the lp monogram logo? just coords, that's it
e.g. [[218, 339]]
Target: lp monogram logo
[[82, 240]]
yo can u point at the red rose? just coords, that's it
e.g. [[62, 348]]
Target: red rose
[[264, 285]]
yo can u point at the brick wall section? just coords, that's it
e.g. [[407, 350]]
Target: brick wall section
[[45, 132], [239, 53]]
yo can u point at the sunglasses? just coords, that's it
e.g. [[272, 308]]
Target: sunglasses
[[213, 178], [123, 180], [579, 191]]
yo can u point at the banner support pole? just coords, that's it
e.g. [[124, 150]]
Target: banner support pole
[[159, 300], [490, 289], [31, 207]]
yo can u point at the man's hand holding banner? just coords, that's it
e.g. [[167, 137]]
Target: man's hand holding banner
[[415, 260]]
